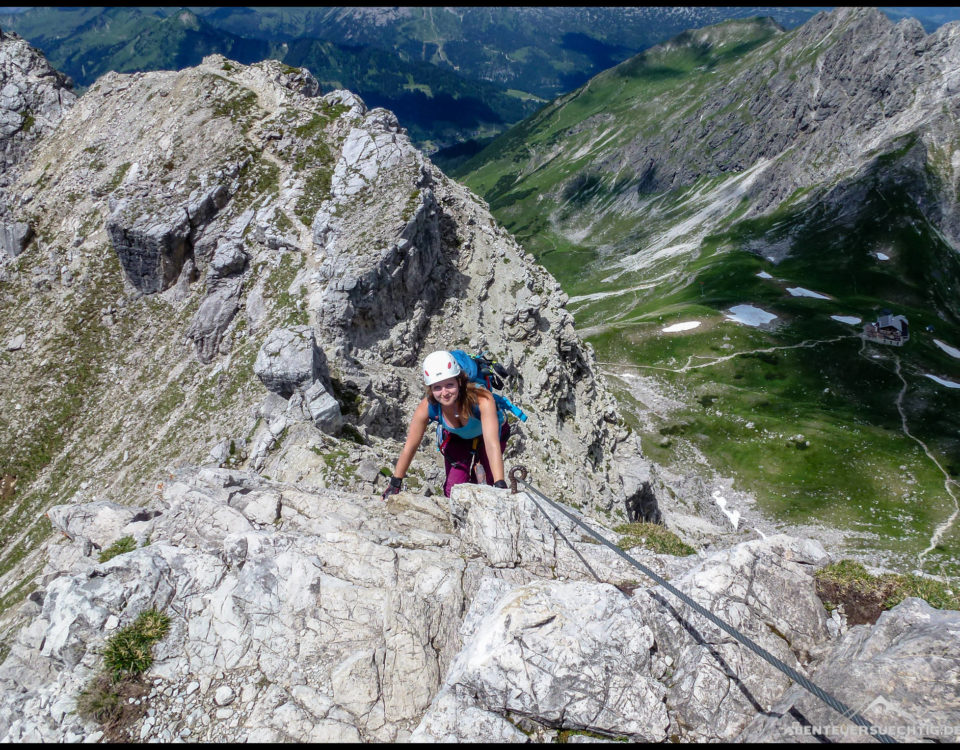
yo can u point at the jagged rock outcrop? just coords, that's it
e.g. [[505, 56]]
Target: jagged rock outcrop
[[899, 674], [575, 655], [291, 366], [314, 615], [33, 99], [289, 360], [153, 236]]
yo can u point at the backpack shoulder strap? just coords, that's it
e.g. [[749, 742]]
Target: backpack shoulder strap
[[505, 404]]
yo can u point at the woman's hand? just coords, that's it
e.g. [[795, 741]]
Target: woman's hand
[[392, 488]]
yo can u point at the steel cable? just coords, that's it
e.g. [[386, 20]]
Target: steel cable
[[789, 671]]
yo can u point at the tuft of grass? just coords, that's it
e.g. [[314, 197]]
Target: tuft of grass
[[119, 547], [128, 652], [114, 697], [118, 176], [112, 705], [864, 596], [651, 536], [99, 701]]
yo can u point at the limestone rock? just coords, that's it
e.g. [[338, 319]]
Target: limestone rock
[[289, 360], [33, 99], [323, 408], [265, 582], [103, 522], [571, 654], [899, 674], [152, 238], [228, 258], [213, 317], [14, 238], [16, 342], [764, 588]]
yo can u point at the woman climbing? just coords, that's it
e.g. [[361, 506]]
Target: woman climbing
[[472, 430]]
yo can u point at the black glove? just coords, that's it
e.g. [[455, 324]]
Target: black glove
[[393, 488], [501, 484]]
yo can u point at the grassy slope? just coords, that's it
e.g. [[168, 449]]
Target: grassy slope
[[860, 471]]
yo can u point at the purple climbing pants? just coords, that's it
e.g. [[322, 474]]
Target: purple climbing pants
[[458, 459]]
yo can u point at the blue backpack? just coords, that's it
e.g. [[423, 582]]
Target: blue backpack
[[485, 371]]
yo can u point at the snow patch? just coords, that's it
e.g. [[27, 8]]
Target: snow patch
[[749, 315], [846, 319], [764, 275], [685, 326], [799, 291], [947, 348], [721, 501], [941, 381]]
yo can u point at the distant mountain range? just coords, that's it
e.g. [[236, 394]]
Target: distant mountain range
[[455, 77], [435, 104]]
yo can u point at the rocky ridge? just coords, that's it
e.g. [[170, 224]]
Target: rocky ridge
[[295, 257], [860, 99], [396, 261], [301, 615], [33, 99], [800, 118]]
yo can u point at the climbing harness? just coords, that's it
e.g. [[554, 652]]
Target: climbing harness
[[518, 475]]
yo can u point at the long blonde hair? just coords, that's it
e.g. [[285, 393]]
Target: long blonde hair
[[468, 395]]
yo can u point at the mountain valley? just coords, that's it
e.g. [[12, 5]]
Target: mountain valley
[[726, 168]]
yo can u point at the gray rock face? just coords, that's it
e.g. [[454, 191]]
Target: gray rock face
[[323, 408], [213, 317], [152, 254], [900, 674], [229, 258], [575, 655], [33, 99], [14, 238], [764, 588], [289, 360], [154, 239]]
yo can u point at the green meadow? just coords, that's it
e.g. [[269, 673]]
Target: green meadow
[[820, 427]]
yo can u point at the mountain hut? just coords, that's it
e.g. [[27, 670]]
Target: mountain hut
[[889, 329]]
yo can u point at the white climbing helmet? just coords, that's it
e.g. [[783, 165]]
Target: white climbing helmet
[[439, 366]]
